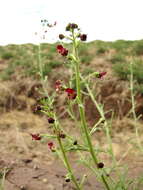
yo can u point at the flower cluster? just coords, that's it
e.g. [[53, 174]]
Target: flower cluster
[[71, 26], [63, 51]]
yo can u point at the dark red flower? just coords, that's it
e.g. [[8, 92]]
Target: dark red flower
[[83, 37], [100, 75], [50, 145], [63, 51], [71, 93], [51, 120], [35, 137]]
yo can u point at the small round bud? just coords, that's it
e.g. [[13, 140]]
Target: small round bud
[[103, 121], [62, 135], [51, 120], [100, 165], [83, 37], [67, 179], [37, 108], [74, 26], [61, 36], [75, 142]]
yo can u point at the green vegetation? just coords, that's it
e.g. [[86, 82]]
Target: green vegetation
[[85, 55], [118, 58], [23, 59], [7, 55], [123, 70], [138, 48]]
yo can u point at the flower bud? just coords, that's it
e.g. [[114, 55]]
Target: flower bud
[[51, 120], [74, 26], [75, 142], [62, 135], [83, 37], [100, 165], [61, 36], [67, 179]]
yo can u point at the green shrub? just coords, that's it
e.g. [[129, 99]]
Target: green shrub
[[83, 50], [117, 58], [101, 50], [7, 55], [87, 71], [123, 70], [46, 69], [139, 88], [86, 59], [138, 70], [85, 55], [121, 45], [138, 48], [54, 64], [6, 74]]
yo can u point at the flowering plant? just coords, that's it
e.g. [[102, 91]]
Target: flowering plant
[[66, 142]]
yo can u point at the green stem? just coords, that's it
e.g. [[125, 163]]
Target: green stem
[[81, 109], [67, 164], [102, 117], [133, 108]]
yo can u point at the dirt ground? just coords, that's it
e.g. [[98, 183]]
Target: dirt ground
[[31, 166]]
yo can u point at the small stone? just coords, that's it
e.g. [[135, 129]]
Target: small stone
[[35, 167], [44, 180], [22, 187]]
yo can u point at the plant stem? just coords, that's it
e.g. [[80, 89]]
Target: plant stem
[[133, 107], [103, 118], [81, 110], [67, 164], [40, 62]]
